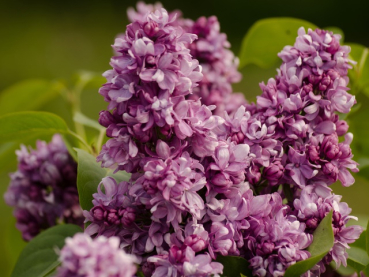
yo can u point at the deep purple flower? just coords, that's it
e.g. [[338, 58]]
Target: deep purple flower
[[44, 189], [112, 208], [274, 172]]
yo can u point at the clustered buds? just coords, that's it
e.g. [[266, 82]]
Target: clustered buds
[[43, 190]]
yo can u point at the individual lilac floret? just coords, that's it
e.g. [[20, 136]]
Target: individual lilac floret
[[43, 190], [228, 168], [315, 202], [84, 257], [174, 181]]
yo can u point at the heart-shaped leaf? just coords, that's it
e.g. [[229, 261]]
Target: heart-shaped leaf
[[267, 37], [357, 258], [24, 125], [39, 257]]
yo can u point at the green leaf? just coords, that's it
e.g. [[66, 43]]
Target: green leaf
[[267, 37], [343, 271], [323, 240], [89, 175], [27, 95], [39, 257], [360, 242], [7, 156], [358, 126], [359, 75], [89, 79], [81, 118], [234, 266], [367, 238], [357, 258], [23, 125], [366, 271]]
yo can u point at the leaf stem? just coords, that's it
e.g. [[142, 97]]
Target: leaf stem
[[84, 143], [100, 140]]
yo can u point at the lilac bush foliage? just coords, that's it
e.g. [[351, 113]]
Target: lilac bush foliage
[[248, 180], [43, 190], [83, 257]]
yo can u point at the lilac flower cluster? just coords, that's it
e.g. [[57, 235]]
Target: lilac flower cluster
[[252, 182], [83, 257], [311, 86], [211, 49], [43, 190], [219, 66], [311, 207]]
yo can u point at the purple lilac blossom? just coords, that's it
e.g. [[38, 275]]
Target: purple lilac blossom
[[276, 240], [314, 203], [310, 87], [219, 66], [211, 49], [206, 183], [43, 190], [152, 73], [84, 257]]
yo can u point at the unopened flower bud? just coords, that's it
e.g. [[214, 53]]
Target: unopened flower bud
[[151, 28]]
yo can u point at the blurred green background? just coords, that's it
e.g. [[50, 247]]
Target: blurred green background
[[52, 40]]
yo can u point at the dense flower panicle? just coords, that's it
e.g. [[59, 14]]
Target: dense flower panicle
[[152, 74], [211, 175], [211, 49], [310, 87], [277, 241], [315, 202], [43, 190], [84, 257]]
